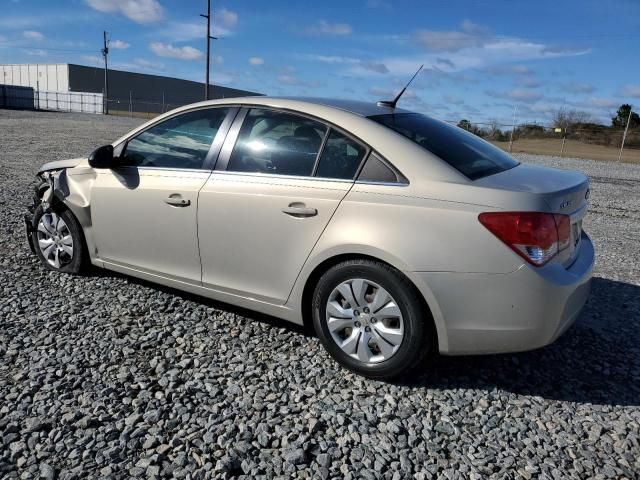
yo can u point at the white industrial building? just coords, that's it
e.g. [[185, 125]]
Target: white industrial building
[[48, 77]]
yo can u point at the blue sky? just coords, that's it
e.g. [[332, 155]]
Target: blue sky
[[482, 57]]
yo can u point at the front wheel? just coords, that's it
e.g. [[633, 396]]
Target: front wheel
[[58, 240], [370, 318]]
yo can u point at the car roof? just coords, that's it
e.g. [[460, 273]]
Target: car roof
[[357, 107]]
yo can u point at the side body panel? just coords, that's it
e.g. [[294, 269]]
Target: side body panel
[[135, 227], [414, 235], [248, 245]]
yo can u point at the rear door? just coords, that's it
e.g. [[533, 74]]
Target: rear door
[[144, 213], [279, 179]]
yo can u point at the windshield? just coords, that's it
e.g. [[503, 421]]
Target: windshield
[[464, 151]]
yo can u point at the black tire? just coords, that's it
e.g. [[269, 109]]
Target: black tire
[[417, 322], [80, 258]]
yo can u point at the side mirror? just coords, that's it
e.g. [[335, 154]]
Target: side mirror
[[102, 157]]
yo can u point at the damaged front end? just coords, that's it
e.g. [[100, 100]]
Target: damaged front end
[[50, 189], [62, 184]]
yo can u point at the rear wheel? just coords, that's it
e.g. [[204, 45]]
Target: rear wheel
[[58, 240], [370, 318]]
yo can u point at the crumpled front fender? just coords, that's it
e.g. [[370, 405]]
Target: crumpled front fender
[[60, 164]]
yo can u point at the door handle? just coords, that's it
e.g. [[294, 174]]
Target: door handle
[[176, 200], [300, 210]]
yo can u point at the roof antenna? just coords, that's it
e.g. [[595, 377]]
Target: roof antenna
[[392, 103]]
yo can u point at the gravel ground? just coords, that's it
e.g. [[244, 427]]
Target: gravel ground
[[108, 376]]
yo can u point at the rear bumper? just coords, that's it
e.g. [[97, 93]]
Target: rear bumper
[[523, 310]]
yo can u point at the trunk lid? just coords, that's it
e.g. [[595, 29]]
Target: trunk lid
[[563, 191]]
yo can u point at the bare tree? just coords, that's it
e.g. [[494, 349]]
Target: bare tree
[[493, 129], [566, 119]]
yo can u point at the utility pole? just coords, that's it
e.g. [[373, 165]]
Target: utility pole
[[624, 135], [513, 128], [105, 52], [208, 39]]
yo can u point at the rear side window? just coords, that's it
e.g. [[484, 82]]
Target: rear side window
[[278, 143], [340, 158], [377, 171], [464, 151], [182, 141]]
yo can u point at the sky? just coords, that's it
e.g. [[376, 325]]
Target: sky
[[483, 59]]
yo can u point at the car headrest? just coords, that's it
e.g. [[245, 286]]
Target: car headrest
[[309, 133]]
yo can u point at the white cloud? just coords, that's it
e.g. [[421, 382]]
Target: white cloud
[[140, 11], [149, 64], [631, 91], [288, 79], [577, 87], [469, 35], [473, 46], [509, 70], [292, 80], [326, 28], [223, 22], [357, 63], [602, 102], [256, 61], [490, 56], [379, 4], [388, 93], [119, 44], [452, 99], [181, 53], [92, 59], [184, 31], [527, 82], [37, 53], [32, 35], [518, 94]]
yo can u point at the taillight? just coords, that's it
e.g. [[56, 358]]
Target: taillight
[[535, 236]]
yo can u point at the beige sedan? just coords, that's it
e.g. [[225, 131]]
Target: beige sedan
[[390, 232]]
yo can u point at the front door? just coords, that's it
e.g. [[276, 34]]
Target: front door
[[269, 200], [144, 213]]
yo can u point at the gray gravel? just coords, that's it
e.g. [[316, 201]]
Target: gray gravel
[[108, 376]]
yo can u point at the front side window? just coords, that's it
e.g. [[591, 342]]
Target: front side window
[[340, 158], [464, 151], [182, 141], [278, 143]]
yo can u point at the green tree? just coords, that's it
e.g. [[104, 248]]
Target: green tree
[[466, 124], [620, 120]]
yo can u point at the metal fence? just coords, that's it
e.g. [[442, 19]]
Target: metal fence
[[32, 99], [595, 141], [137, 104], [139, 107]]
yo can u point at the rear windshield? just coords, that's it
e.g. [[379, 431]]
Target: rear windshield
[[464, 151]]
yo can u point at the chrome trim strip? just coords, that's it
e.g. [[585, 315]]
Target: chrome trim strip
[[385, 184], [283, 177]]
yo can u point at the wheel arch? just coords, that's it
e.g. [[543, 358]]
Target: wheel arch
[[435, 324]]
